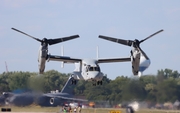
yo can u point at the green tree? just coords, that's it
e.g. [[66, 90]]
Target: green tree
[[160, 76], [167, 91], [18, 80], [133, 90], [4, 86], [116, 86], [53, 80]]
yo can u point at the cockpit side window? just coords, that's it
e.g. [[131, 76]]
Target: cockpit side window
[[96, 68], [91, 69]]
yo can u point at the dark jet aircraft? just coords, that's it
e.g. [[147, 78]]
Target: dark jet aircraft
[[46, 99], [55, 99]]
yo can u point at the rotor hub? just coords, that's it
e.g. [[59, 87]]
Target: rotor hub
[[136, 43]]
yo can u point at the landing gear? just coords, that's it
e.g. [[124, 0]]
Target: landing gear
[[94, 84], [97, 83], [129, 109]]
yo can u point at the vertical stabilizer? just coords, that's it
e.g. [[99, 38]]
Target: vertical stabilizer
[[68, 87], [97, 52], [77, 67], [62, 54]]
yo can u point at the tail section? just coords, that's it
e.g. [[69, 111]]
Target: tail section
[[62, 54], [68, 87], [97, 52]]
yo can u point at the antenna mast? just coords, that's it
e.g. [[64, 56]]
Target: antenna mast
[[6, 67]]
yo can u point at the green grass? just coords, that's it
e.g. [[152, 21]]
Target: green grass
[[106, 110], [34, 109], [88, 110]]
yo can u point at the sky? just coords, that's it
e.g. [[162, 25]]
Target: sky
[[125, 19]]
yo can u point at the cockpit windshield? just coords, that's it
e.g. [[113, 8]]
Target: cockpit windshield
[[93, 68]]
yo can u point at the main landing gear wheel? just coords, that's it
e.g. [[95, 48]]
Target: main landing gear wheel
[[99, 82], [129, 110]]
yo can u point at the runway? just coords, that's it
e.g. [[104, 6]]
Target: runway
[[28, 112]]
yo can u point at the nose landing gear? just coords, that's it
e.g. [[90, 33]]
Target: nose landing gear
[[97, 82]]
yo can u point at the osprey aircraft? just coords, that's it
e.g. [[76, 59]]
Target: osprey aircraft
[[88, 69], [140, 61]]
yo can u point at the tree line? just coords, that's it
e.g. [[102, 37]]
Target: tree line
[[162, 87]]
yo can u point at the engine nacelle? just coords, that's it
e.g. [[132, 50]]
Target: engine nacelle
[[20, 100], [42, 58], [139, 63], [55, 101], [135, 60]]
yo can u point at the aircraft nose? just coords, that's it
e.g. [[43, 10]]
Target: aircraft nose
[[94, 74]]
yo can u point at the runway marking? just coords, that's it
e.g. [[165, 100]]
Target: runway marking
[[115, 111]]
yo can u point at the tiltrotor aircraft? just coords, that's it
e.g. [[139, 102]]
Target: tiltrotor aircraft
[[88, 69], [43, 50], [140, 61]]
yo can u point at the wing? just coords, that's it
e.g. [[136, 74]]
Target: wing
[[64, 59], [74, 99], [62, 97], [114, 60]]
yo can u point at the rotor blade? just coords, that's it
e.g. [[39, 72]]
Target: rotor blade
[[121, 41], [151, 35], [26, 34], [58, 40], [144, 54]]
